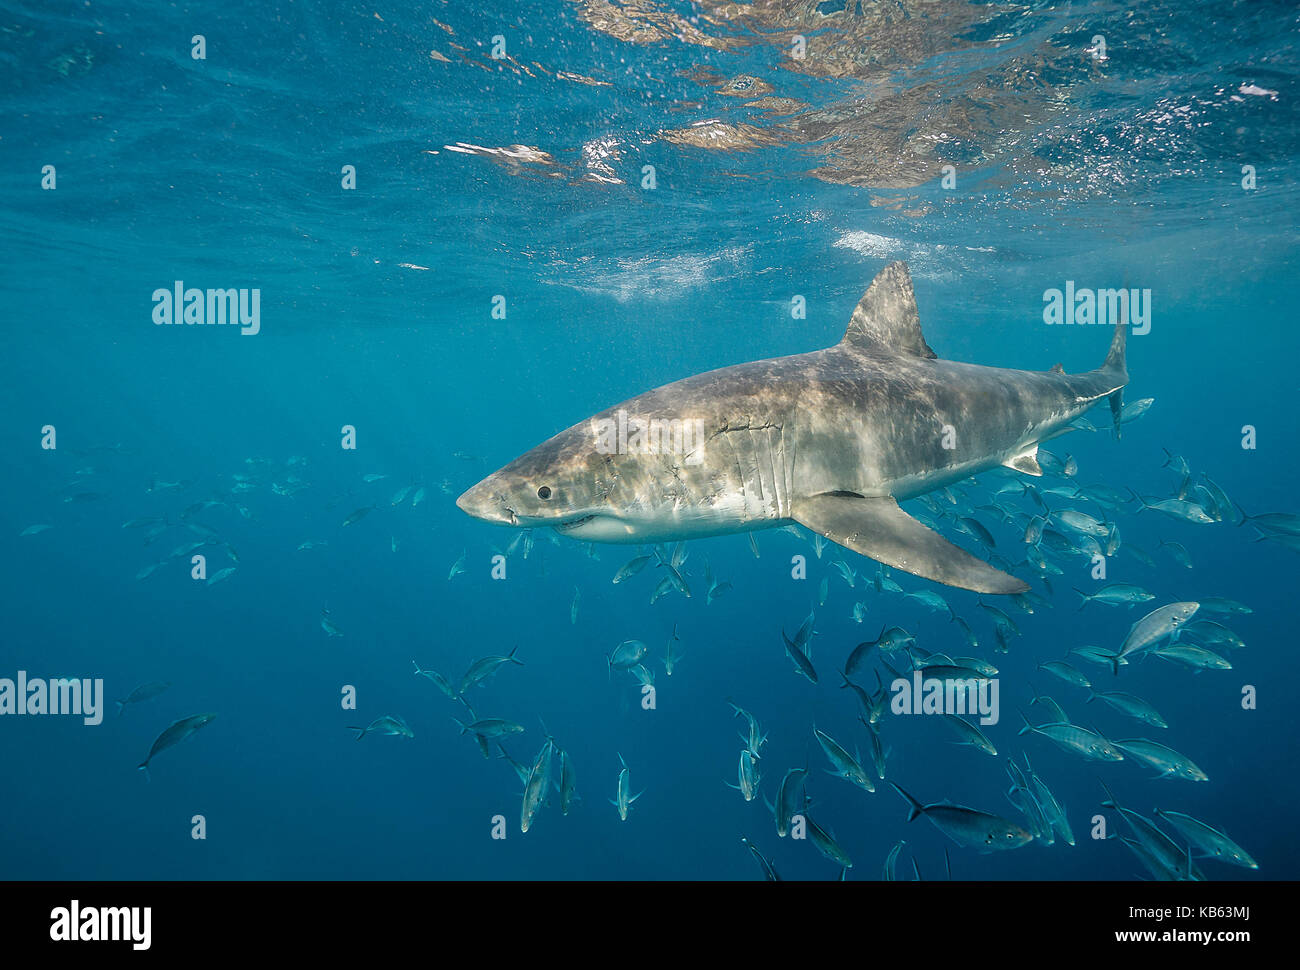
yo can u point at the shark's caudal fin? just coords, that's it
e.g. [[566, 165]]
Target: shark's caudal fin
[[1116, 367], [879, 529], [886, 317]]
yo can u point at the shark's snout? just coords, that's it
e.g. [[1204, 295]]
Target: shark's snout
[[484, 501]]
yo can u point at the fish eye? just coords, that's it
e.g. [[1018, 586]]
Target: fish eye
[[544, 492]]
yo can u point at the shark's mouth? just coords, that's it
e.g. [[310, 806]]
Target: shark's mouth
[[573, 524]]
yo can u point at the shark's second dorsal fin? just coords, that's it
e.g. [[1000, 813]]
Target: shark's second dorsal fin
[[886, 317]]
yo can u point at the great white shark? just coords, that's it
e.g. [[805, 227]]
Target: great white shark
[[833, 439]]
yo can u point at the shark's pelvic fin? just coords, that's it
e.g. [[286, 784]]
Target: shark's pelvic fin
[[886, 316], [879, 529], [1026, 461]]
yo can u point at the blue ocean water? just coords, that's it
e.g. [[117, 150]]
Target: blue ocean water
[[1163, 159]]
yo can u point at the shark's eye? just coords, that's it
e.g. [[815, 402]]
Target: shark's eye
[[544, 492]]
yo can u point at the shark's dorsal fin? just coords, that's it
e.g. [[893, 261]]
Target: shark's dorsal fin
[[886, 317]]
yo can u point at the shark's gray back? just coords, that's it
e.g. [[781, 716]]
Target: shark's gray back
[[847, 419]]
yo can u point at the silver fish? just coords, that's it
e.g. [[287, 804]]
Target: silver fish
[[968, 827], [490, 728], [223, 575], [801, 662], [626, 655], [747, 773], [537, 787], [970, 734], [1209, 839], [1058, 668], [846, 765], [788, 798], [1079, 740], [670, 656], [1130, 704], [825, 843], [142, 693], [631, 568], [769, 871], [625, 799], [1154, 627], [568, 783], [1165, 760], [484, 667], [328, 626], [438, 679], [389, 724], [1116, 594], [174, 734], [1191, 655], [358, 515]]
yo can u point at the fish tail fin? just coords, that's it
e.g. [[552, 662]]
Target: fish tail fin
[[360, 731], [1028, 727], [463, 726], [511, 656], [144, 766], [914, 808], [1086, 598], [1110, 797], [121, 706]]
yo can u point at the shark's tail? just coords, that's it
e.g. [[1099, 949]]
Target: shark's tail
[[1116, 367]]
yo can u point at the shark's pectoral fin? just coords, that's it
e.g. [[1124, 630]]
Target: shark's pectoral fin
[[879, 529], [1026, 461]]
